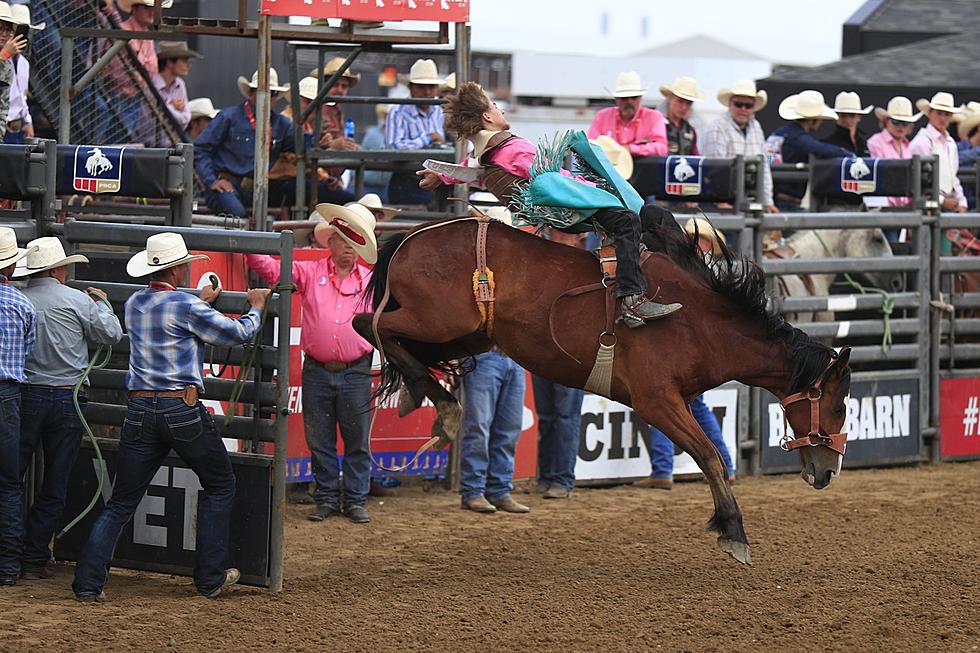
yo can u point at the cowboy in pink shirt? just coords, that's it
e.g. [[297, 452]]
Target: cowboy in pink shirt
[[642, 130], [140, 20], [892, 142], [935, 140]]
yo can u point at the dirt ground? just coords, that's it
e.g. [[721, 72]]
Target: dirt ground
[[883, 559]]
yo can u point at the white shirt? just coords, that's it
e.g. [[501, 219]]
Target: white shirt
[[18, 91]]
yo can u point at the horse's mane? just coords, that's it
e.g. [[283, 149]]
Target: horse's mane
[[739, 280]]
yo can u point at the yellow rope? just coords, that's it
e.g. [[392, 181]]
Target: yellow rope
[[486, 312]]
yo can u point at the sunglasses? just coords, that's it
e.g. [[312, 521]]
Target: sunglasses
[[744, 105]]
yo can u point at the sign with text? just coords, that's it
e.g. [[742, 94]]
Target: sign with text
[[882, 426], [446, 11], [959, 422]]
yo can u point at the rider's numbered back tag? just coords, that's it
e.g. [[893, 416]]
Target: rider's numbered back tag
[[98, 169], [683, 175], [859, 175]]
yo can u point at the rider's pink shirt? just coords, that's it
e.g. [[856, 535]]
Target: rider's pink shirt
[[514, 156]]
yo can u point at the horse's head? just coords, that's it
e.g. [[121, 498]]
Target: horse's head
[[817, 416], [873, 243]]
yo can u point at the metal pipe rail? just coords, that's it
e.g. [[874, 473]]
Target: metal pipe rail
[[835, 303], [837, 265], [840, 220], [197, 238]]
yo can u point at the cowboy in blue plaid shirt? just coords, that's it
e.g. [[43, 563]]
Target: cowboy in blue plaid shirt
[[167, 332], [17, 333]]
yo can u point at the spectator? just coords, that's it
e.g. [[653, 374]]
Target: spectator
[[739, 133], [641, 129], [202, 113], [17, 331], [332, 137], [68, 321], [848, 133], [415, 127], [20, 125], [336, 360], [682, 138], [968, 129], [794, 142], [174, 63], [376, 181], [448, 86], [374, 204], [934, 139], [892, 142]]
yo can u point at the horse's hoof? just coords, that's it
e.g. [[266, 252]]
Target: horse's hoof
[[442, 443], [449, 422], [737, 550], [407, 403]]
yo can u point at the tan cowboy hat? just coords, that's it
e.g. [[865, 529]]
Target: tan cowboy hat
[[45, 254], [850, 102], [968, 119], [9, 252], [5, 13], [333, 66], [22, 16], [163, 251], [629, 85], [685, 88], [806, 105], [743, 87], [354, 223], [127, 5], [899, 108], [617, 154], [202, 107], [449, 82], [424, 71], [373, 202], [245, 85], [706, 230], [309, 87], [176, 50], [941, 101]]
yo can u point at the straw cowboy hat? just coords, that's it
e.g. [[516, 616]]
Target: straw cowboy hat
[[354, 223], [9, 252], [449, 82], [629, 85], [22, 16], [309, 87], [333, 66], [617, 154], [202, 107], [163, 251], [373, 202], [968, 119], [941, 101], [424, 71], [45, 254], [685, 88], [245, 85], [745, 88], [806, 105], [850, 102], [705, 230], [177, 50], [899, 108], [5, 13], [127, 5]]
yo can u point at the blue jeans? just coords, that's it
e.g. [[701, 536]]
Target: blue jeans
[[49, 420], [282, 192], [152, 427], [662, 448], [493, 409], [332, 399], [559, 424], [11, 520], [14, 138]]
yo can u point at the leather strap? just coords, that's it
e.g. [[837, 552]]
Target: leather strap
[[483, 286]]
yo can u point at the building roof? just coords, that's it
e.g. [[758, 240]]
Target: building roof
[[920, 16], [701, 46]]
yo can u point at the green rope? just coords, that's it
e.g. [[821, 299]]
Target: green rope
[[887, 306]]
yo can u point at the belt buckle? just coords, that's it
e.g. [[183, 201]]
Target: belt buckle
[[247, 184], [334, 366]]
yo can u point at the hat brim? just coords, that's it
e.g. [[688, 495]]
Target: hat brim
[[179, 54], [966, 124], [350, 227], [865, 111], [618, 155], [787, 111], [426, 81], [386, 211], [667, 92], [630, 92], [24, 271], [21, 253], [138, 266], [761, 98], [924, 105], [881, 113], [245, 87], [353, 78]]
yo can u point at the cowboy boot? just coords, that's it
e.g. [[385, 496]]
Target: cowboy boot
[[637, 310]]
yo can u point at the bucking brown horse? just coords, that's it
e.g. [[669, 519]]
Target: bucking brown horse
[[428, 317]]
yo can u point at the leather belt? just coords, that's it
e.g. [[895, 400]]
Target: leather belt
[[247, 183], [336, 366], [188, 394], [48, 387], [15, 126]]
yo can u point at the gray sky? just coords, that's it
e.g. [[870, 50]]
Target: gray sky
[[784, 31]]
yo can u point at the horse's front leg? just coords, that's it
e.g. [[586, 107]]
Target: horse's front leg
[[673, 416]]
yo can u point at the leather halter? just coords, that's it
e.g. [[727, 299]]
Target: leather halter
[[816, 437]]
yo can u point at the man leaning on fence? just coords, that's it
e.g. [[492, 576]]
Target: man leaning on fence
[[892, 142], [414, 127], [167, 332], [68, 321], [934, 139]]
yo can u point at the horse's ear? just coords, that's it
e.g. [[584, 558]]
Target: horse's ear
[[836, 371]]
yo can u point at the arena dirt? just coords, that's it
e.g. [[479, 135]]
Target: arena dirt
[[884, 559]]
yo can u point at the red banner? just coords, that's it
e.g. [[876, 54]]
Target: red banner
[[311, 8], [447, 11], [959, 423]]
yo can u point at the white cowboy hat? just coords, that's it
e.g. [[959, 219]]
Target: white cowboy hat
[[333, 66], [743, 87], [245, 85], [805, 105], [424, 71], [941, 101], [354, 223], [5, 13], [164, 250], [705, 230], [309, 87], [127, 5], [373, 202], [22, 16], [449, 82], [899, 108], [202, 107], [850, 102], [685, 88], [968, 119], [45, 254], [629, 85], [617, 154], [9, 252]]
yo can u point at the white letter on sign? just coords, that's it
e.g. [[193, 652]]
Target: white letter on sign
[[191, 484], [144, 533], [775, 425]]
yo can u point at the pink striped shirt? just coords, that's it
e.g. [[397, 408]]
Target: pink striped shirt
[[884, 146], [645, 134]]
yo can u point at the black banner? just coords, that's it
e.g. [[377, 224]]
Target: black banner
[[127, 171], [851, 177], [15, 161], [685, 178], [882, 426], [161, 536]]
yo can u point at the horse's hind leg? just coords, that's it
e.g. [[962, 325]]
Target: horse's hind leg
[[673, 417]]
